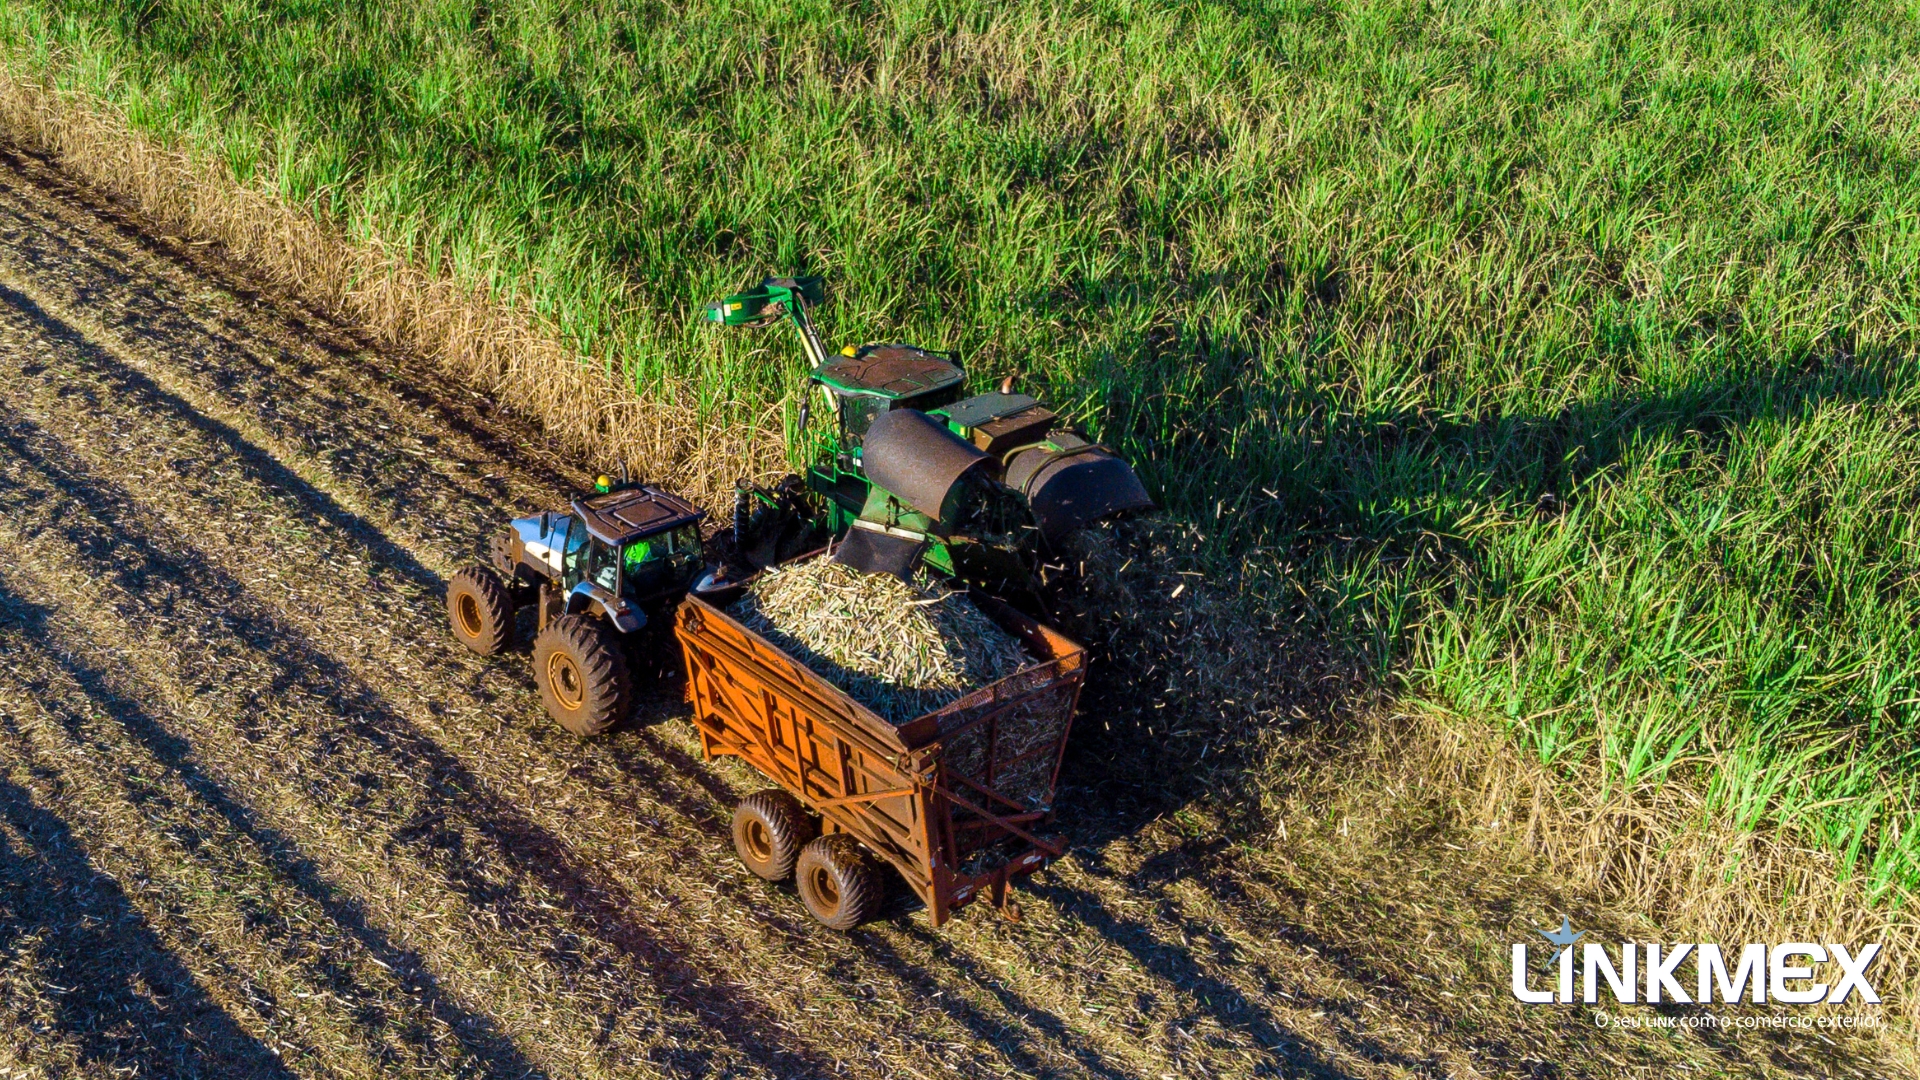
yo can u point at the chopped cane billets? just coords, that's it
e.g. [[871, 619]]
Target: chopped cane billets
[[901, 650]]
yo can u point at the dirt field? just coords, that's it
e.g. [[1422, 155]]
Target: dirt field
[[260, 816]]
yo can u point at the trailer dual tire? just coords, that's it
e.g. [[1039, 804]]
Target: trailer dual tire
[[838, 881], [480, 610], [583, 677], [769, 829]]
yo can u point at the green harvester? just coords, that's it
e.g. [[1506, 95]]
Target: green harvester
[[979, 487]]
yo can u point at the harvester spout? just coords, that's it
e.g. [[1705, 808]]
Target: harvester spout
[[771, 301]]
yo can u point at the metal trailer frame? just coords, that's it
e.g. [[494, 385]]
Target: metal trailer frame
[[901, 790]]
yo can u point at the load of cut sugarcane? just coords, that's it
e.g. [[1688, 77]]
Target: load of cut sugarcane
[[902, 650]]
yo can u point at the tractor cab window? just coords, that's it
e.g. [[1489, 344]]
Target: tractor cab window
[[685, 541], [567, 540], [856, 415], [554, 533], [584, 558], [676, 547], [601, 566], [641, 552]]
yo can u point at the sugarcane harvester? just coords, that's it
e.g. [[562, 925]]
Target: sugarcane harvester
[[978, 487]]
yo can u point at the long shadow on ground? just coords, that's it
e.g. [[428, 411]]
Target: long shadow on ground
[[137, 388], [1140, 750], [122, 1000], [229, 352], [478, 1035]]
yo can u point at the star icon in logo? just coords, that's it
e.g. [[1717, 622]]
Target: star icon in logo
[[1563, 937]]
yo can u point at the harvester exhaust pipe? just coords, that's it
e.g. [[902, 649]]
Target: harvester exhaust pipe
[[742, 508]]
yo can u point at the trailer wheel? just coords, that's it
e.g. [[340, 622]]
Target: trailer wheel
[[582, 675], [769, 829], [839, 882], [480, 610]]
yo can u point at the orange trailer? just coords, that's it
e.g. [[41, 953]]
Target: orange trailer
[[959, 800]]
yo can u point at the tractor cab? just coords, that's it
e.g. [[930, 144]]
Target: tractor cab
[[640, 543], [621, 549]]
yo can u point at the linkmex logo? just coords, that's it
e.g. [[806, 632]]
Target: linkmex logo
[[1790, 973]]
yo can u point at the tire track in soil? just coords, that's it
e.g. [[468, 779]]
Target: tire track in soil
[[88, 984], [236, 519]]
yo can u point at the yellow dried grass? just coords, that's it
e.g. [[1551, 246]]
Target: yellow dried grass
[[1650, 853]]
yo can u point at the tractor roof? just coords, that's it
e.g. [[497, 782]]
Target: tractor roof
[[624, 515], [890, 371]]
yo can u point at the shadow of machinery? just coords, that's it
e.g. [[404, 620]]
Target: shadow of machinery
[[1193, 680], [1378, 489], [120, 1000]]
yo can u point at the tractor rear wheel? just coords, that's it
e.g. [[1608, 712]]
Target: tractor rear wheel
[[839, 882], [480, 610], [582, 675], [769, 829]]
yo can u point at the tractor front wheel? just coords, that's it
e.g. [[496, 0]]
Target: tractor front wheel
[[838, 881], [480, 610], [582, 675]]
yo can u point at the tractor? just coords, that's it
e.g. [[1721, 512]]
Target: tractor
[[599, 576], [978, 487]]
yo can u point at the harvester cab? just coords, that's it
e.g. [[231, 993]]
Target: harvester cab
[[598, 574], [976, 486]]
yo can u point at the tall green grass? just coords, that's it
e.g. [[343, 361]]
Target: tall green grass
[[1560, 353]]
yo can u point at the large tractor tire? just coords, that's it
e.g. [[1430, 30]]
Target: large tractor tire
[[582, 675], [769, 829], [480, 610], [838, 881]]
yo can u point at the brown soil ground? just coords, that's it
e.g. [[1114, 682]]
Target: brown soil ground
[[260, 816]]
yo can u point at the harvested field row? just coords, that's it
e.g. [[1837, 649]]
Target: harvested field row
[[286, 827]]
